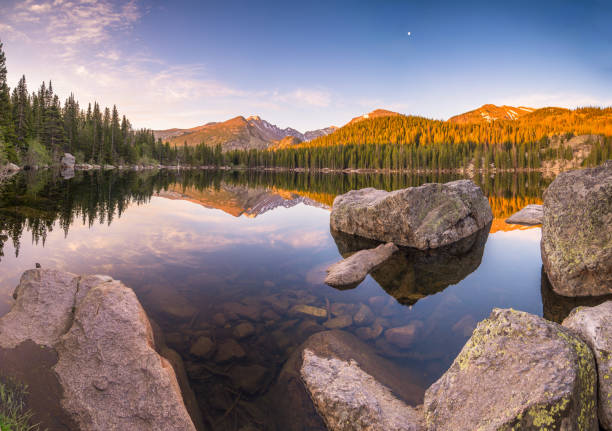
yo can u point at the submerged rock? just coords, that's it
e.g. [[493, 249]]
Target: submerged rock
[[204, 347], [404, 336], [308, 310], [529, 216], [594, 325], [410, 274], [424, 217], [517, 371], [334, 351], [354, 269], [577, 232], [90, 338], [339, 322]]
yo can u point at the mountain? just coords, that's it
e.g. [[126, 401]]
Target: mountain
[[377, 113], [488, 113], [238, 200], [238, 133]]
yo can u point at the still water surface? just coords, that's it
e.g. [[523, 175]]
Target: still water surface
[[207, 251]]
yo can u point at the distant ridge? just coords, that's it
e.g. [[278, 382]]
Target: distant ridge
[[374, 114], [489, 112], [238, 133]]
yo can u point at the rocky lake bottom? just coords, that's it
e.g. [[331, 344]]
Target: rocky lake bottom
[[231, 267]]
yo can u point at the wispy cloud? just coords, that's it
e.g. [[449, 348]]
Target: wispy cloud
[[89, 47]]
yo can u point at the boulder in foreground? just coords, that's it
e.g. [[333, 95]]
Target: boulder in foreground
[[424, 217], [90, 356], [517, 371], [531, 215], [594, 325], [334, 381], [577, 232], [354, 268]]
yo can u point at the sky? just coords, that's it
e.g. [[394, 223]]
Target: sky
[[310, 64]]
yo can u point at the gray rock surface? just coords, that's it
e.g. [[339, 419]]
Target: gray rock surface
[[353, 269], [594, 325], [67, 161], [340, 350], [530, 215], [517, 371], [348, 398], [577, 232], [90, 338], [424, 217]]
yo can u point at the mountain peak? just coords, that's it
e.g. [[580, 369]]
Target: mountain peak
[[254, 118], [374, 114], [490, 112]]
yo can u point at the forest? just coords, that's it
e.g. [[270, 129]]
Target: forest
[[36, 129]]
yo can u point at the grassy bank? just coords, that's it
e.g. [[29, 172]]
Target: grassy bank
[[14, 415]]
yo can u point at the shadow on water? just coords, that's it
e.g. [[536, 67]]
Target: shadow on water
[[411, 274], [556, 307]]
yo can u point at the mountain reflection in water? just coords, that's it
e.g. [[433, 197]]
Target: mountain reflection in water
[[208, 251]]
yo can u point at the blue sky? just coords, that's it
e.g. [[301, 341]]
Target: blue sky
[[311, 64]]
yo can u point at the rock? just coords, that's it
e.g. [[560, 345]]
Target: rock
[[364, 316], [339, 322], [348, 398], [577, 232], [250, 312], [556, 307], [404, 336], [410, 275], [88, 339], [529, 216], [204, 347], [517, 371], [429, 216], [11, 168], [369, 332], [67, 161], [353, 269], [340, 308], [250, 378], [360, 364], [229, 350], [108, 167], [594, 325], [308, 310], [219, 319], [67, 173], [43, 308], [243, 330]]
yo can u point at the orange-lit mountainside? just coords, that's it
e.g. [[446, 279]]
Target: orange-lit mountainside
[[238, 200]]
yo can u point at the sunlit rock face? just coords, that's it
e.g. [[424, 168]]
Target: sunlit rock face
[[353, 269], [89, 340], [577, 232], [593, 325], [410, 274], [517, 371], [429, 216]]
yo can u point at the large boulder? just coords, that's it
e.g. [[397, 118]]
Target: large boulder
[[594, 325], [517, 371], [67, 161], [91, 356], [577, 232], [335, 381], [429, 216], [352, 270], [530, 215]]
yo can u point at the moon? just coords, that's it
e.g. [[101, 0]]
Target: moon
[[409, 34]]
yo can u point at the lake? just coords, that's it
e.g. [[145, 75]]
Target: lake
[[209, 251]]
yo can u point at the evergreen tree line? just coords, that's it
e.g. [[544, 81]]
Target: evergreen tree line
[[36, 129]]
